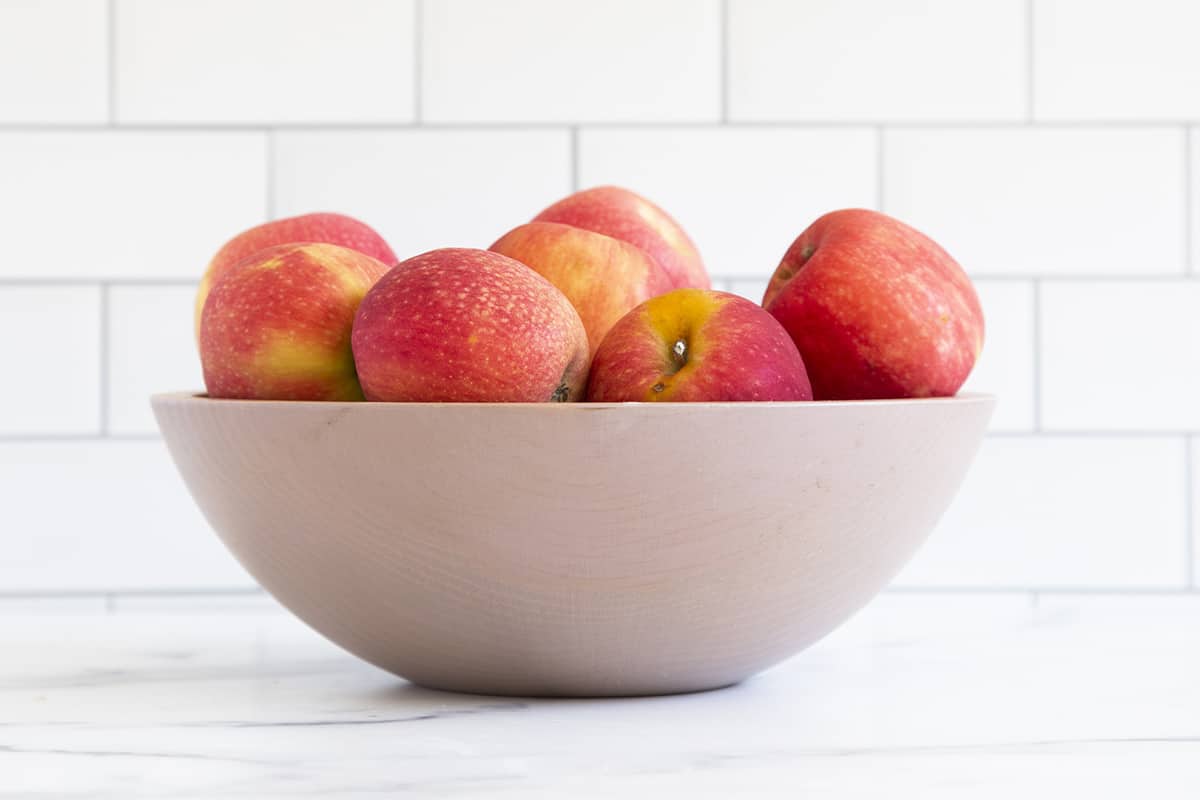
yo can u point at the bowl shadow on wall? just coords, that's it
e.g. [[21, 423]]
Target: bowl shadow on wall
[[573, 549]]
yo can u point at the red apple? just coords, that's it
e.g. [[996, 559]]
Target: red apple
[[328, 228], [697, 345], [602, 277], [276, 325], [459, 325], [876, 308], [627, 216]]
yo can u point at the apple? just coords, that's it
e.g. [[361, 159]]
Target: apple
[[695, 345], [876, 308], [627, 216], [276, 325], [603, 277], [463, 325], [321, 227]]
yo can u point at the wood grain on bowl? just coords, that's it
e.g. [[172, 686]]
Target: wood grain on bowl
[[574, 549]]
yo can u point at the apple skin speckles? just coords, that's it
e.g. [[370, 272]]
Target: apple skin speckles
[[465, 325], [325, 228], [625, 215], [603, 277], [877, 309], [694, 345], [276, 325]]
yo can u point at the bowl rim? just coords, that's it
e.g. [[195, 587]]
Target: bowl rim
[[202, 398]]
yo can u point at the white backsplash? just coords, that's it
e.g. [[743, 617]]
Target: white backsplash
[[1051, 145]]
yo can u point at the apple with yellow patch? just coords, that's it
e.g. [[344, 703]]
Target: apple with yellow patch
[[276, 325], [324, 228], [877, 309], [625, 215], [694, 345], [463, 325], [603, 277]]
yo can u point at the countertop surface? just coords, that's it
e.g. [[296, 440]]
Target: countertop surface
[[922, 695]]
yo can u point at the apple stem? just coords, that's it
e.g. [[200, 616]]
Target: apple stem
[[679, 351]]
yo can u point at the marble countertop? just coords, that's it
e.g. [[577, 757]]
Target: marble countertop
[[930, 696]]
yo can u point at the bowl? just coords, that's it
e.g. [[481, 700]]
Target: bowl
[[573, 549]]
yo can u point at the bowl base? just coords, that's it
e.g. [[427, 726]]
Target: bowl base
[[583, 693]]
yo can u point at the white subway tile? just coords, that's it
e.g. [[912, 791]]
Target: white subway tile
[[424, 189], [1194, 444], [1116, 61], [1063, 512], [742, 194], [104, 515], [932, 615], [1155, 608], [750, 288], [45, 605], [254, 601], [571, 61], [854, 60], [1194, 197], [1120, 355], [265, 61], [1048, 201], [152, 349], [53, 61], [1006, 366], [95, 204], [50, 351]]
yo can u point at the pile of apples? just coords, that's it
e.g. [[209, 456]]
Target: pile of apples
[[602, 297]]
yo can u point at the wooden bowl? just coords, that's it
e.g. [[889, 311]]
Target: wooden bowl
[[573, 549]]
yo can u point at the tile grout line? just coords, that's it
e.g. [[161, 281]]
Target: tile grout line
[[1016, 277], [97, 282], [1189, 210], [1089, 278], [105, 359], [1189, 526], [574, 153], [1088, 433], [269, 147], [1037, 355], [664, 125], [1045, 591], [112, 63], [1029, 61], [418, 55], [113, 597], [879, 161], [723, 78], [46, 437]]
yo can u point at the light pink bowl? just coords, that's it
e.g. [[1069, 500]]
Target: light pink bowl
[[573, 549]]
